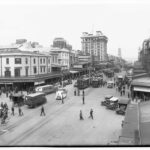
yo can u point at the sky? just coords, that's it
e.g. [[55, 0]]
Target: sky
[[125, 23]]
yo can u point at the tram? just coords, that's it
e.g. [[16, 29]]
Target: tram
[[46, 89], [83, 83]]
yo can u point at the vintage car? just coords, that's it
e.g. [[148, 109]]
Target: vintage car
[[61, 94], [18, 99], [106, 101], [113, 104], [122, 105], [110, 84]]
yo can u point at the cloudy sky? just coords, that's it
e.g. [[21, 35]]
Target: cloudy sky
[[125, 23]]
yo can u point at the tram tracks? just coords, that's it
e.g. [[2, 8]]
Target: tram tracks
[[24, 119], [33, 129]]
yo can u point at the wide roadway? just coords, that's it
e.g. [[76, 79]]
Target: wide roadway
[[61, 125]]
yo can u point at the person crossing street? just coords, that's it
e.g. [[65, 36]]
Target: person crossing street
[[80, 115], [42, 111], [20, 111], [91, 114], [13, 111]]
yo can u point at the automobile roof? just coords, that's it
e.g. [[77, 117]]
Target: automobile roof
[[35, 94], [114, 99]]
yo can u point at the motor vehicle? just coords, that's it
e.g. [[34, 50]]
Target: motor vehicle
[[95, 83], [18, 99], [46, 89], [113, 103], [61, 93], [83, 83], [110, 84], [35, 99], [107, 100], [122, 106]]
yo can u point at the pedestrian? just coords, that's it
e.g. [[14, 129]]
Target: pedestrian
[[2, 105], [83, 92], [121, 93], [42, 111], [83, 99], [128, 95], [13, 111], [10, 96], [78, 92], [74, 92], [91, 114], [20, 111], [80, 115]]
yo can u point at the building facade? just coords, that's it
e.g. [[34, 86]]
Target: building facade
[[95, 46], [63, 57], [61, 43], [17, 63], [144, 55]]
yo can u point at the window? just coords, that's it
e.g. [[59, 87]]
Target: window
[[44, 69], [7, 60], [17, 72], [26, 60], [34, 60], [7, 72], [41, 69], [41, 60], [34, 69], [17, 60], [44, 60], [26, 71]]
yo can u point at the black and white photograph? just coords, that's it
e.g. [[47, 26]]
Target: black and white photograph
[[74, 73]]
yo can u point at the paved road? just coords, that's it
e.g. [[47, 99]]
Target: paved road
[[61, 125]]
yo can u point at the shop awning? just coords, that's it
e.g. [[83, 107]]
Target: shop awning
[[74, 71], [142, 89]]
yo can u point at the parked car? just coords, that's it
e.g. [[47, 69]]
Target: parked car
[[61, 93], [110, 84], [18, 99], [107, 100], [113, 103], [122, 106]]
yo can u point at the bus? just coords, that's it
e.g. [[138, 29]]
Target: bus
[[46, 89], [35, 99], [83, 83]]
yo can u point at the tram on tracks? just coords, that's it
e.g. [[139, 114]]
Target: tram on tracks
[[46, 89], [83, 83]]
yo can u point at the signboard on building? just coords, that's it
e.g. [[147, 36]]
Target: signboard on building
[[77, 66], [40, 82]]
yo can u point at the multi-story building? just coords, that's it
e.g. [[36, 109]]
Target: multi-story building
[[144, 54], [24, 68], [63, 57], [61, 43], [95, 46]]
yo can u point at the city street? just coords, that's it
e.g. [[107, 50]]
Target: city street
[[61, 125]]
